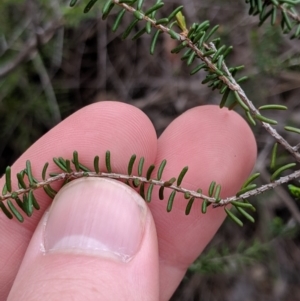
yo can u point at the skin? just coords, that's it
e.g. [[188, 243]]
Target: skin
[[216, 144]]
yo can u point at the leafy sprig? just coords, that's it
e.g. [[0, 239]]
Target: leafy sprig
[[211, 53], [199, 43], [222, 259], [290, 19], [73, 169]]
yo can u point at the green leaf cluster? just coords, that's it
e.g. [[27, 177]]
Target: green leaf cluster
[[271, 9]]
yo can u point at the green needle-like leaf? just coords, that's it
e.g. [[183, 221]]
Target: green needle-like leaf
[[171, 201], [239, 100], [140, 166], [96, 164], [198, 68], [72, 3], [273, 107], [60, 164], [154, 41], [243, 205], [277, 173], [149, 193], [245, 214], [76, 161], [191, 58], [130, 164], [138, 15], [174, 12], [274, 15], [29, 172], [161, 193], [44, 173], [211, 188], [107, 161], [225, 97], [265, 119], [189, 206], [161, 169], [233, 217], [250, 179], [149, 171], [29, 209], [204, 206], [89, 6], [181, 175], [34, 202], [5, 210], [15, 212], [294, 190], [139, 4], [213, 30], [217, 192], [108, 6], [8, 178], [292, 129], [174, 35], [250, 118], [142, 190], [118, 20], [246, 189], [154, 8], [179, 48], [49, 191]]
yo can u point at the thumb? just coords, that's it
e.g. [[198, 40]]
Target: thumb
[[97, 242]]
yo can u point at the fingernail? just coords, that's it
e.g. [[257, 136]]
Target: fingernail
[[98, 216]]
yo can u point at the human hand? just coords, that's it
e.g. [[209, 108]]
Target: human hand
[[118, 248]]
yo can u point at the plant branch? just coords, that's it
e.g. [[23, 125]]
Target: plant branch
[[260, 190], [30, 47], [227, 79], [161, 183], [47, 86], [219, 76], [292, 14]]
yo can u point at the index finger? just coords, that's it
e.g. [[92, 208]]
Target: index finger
[[216, 145]]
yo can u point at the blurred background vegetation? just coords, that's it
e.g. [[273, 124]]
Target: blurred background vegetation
[[54, 60]]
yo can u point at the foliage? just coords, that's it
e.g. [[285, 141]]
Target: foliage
[[199, 44], [221, 259], [204, 56], [224, 260]]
